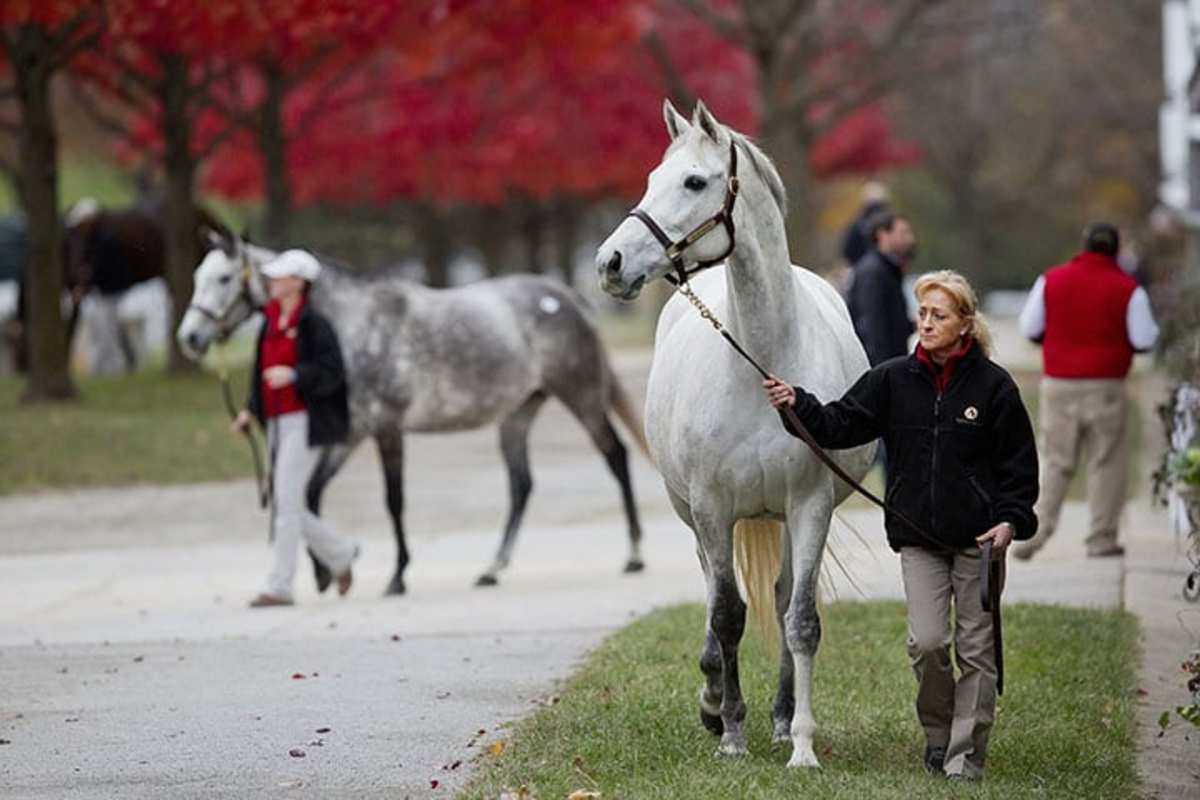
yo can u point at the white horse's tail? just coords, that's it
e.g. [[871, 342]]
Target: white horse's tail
[[757, 556], [619, 402]]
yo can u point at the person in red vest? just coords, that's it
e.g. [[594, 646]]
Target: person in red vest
[[298, 393], [1090, 318]]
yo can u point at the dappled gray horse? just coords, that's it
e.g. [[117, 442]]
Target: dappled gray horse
[[431, 360]]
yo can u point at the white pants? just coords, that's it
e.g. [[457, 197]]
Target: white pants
[[294, 462]]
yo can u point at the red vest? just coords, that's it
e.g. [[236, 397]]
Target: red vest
[[1086, 303]]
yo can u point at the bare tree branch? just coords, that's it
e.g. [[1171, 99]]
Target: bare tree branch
[[677, 90], [215, 144], [723, 26], [105, 120]]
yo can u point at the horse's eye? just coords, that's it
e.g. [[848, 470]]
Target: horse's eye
[[225, 279], [695, 183]]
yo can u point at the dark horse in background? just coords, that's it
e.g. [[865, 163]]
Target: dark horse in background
[[108, 251]]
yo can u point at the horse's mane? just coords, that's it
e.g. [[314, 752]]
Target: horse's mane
[[762, 165], [765, 169]]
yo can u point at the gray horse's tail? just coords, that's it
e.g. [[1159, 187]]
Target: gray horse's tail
[[618, 400]]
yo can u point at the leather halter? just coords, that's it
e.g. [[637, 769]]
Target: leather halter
[[244, 294], [676, 249]]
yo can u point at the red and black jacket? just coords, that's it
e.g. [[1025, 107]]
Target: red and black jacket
[[320, 379]]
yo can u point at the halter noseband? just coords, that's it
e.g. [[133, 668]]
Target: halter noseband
[[244, 295], [676, 249]]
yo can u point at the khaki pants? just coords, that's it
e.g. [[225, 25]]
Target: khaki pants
[[956, 715], [1078, 414]]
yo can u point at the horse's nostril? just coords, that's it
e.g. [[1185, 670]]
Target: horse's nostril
[[613, 267]]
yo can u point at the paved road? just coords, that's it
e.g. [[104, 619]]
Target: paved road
[[130, 667]]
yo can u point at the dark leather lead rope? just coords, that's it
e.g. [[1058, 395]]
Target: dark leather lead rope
[[260, 478], [990, 576]]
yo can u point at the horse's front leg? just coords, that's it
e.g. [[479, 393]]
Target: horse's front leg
[[808, 527], [726, 624], [784, 707]]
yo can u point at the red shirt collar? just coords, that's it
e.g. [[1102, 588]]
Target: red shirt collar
[[943, 374], [273, 311]]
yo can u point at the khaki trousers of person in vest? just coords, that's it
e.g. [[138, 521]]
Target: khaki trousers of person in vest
[[956, 715], [1076, 415]]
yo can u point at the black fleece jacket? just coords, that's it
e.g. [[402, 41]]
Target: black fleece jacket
[[320, 379], [959, 462]]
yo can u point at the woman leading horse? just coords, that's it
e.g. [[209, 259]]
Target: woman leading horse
[[963, 468]]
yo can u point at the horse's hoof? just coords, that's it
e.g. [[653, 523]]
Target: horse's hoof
[[487, 580], [805, 759], [635, 565], [712, 722], [324, 578], [396, 587], [732, 746], [782, 732]]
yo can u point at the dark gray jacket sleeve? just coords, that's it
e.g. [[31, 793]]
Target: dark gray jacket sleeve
[[854, 420]]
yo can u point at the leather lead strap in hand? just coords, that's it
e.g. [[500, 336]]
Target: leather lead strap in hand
[[990, 575]]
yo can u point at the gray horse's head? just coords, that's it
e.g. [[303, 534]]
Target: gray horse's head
[[228, 289], [683, 191]]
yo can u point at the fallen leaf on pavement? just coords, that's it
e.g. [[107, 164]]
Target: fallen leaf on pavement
[[296, 752], [496, 748], [298, 676], [324, 730]]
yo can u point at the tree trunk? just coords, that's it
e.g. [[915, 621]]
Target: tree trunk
[[533, 235], [566, 240], [491, 235], [180, 225], [789, 151], [437, 245], [272, 145], [46, 336]]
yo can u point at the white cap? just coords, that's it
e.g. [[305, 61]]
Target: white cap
[[81, 211], [299, 263]]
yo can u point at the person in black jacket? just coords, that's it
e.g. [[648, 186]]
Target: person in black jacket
[[964, 469], [298, 394], [876, 295]]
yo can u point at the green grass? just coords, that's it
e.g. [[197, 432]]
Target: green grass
[[627, 724], [142, 428]]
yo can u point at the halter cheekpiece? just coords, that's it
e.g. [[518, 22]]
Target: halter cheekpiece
[[724, 217]]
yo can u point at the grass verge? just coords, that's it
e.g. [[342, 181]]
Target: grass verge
[[627, 724], [142, 428]]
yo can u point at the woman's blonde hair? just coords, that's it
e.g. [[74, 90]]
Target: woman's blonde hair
[[965, 301]]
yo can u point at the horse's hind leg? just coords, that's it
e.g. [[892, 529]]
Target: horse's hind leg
[[604, 436], [514, 445], [391, 456], [331, 461]]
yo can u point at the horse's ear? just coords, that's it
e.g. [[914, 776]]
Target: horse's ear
[[215, 239], [705, 121], [677, 124]]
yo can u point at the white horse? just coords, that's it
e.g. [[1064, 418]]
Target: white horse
[[730, 469]]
